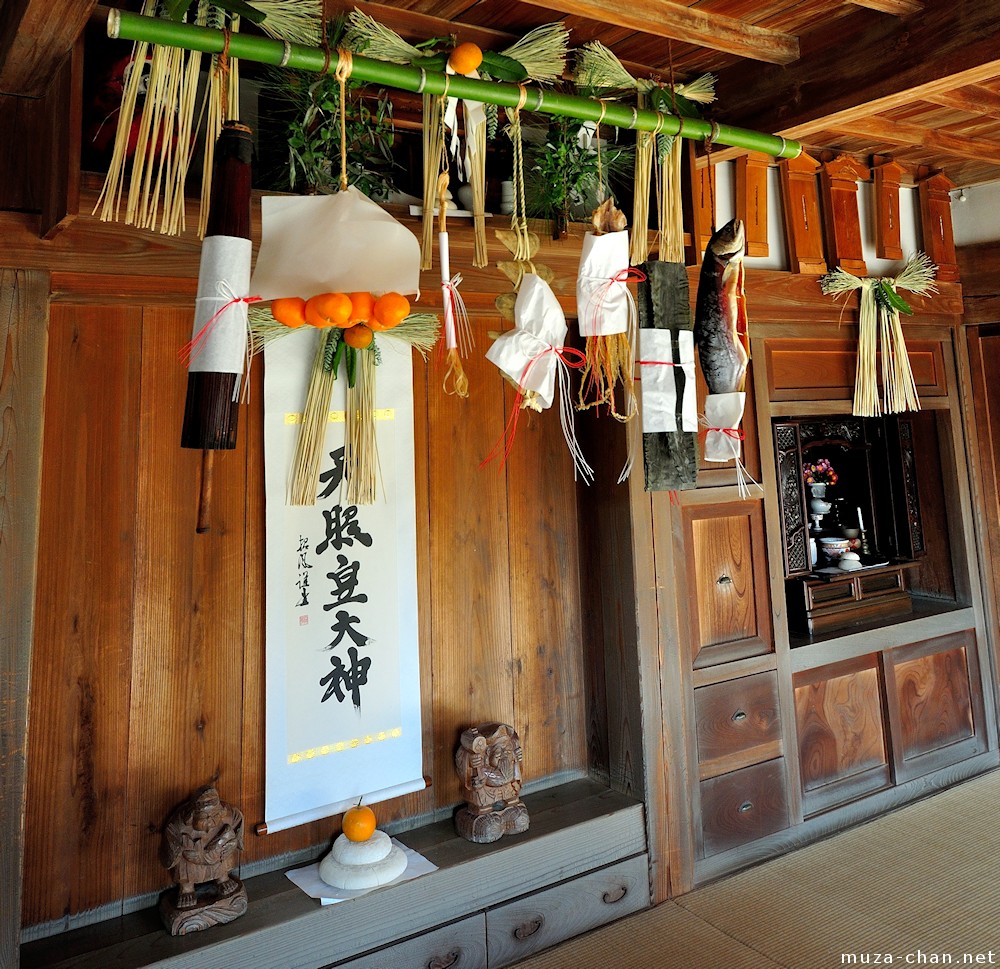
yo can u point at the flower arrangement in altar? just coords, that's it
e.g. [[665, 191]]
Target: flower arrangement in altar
[[820, 473]]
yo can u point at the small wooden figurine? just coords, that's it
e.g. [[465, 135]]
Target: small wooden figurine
[[488, 762], [199, 842]]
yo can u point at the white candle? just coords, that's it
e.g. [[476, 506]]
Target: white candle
[[861, 521]]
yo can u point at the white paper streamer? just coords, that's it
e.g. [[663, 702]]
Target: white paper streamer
[[659, 381]]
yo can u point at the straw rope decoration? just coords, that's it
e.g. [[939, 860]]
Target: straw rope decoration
[[518, 218], [171, 115], [477, 180], [880, 333], [361, 465], [435, 158]]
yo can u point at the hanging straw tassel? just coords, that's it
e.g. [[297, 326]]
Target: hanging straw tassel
[[477, 180], [645, 144], [304, 475], [361, 464], [433, 145]]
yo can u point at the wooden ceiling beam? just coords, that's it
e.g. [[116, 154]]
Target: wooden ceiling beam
[[898, 8], [868, 65], [36, 37], [974, 99], [884, 130], [690, 24]]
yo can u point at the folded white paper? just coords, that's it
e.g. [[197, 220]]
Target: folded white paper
[[659, 381], [604, 304], [333, 243], [223, 281]]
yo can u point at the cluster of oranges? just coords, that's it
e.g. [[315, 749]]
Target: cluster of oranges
[[359, 315]]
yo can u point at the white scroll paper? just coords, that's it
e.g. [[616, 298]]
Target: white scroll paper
[[604, 304], [223, 282]]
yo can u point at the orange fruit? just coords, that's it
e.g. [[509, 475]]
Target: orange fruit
[[289, 311], [358, 336], [362, 305], [390, 310], [465, 58], [328, 309], [359, 823]]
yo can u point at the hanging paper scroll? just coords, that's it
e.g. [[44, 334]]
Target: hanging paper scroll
[[343, 695]]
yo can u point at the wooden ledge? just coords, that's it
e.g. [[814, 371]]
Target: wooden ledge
[[575, 828]]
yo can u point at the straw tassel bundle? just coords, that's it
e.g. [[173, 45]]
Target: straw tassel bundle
[[881, 334]]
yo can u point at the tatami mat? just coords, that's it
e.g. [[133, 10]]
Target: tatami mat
[[920, 885]]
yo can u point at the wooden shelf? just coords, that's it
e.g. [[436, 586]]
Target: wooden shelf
[[575, 828]]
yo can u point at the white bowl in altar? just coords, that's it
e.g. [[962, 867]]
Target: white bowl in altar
[[833, 548]]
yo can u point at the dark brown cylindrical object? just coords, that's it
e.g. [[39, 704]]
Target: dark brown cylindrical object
[[211, 410]]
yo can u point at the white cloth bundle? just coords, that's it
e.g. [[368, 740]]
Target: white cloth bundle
[[528, 353], [604, 305], [723, 412], [660, 383]]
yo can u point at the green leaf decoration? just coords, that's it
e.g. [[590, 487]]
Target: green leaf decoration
[[890, 298], [503, 68], [332, 352], [351, 356]]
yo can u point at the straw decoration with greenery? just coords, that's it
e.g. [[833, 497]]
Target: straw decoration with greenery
[[880, 332]]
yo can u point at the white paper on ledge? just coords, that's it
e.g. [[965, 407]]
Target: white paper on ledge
[[332, 243], [308, 879]]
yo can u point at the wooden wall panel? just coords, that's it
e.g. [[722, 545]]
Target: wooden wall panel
[[470, 584], [545, 596], [24, 335], [826, 371], [79, 749], [188, 642]]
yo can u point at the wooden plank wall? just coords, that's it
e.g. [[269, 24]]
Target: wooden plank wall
[[23, 327], [148, 652]]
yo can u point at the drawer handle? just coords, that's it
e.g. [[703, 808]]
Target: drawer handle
[[528, 929], [723, 580], [745, 807], [445, 962], [612, 897], [739, 716]]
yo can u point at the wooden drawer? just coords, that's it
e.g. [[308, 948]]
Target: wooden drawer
[[737, 723], [743, 806], [518, 929], [459, 945]]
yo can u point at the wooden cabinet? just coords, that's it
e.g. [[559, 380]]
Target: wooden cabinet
[[518, 929], [834, 601], [725, 566], [934, 693], [742, 806], [885, 718], [461, 945], [737, 723], [839, 718]]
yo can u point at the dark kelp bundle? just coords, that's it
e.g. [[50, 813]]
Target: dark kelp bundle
[[666, 359]]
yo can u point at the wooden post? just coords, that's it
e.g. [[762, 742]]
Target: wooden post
[[751, 200], [800, 205], [841, 221], [935, 223], [888, 242], [23, 327]]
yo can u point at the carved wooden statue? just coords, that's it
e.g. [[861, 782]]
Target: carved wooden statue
[[488, 762], [200, 841]]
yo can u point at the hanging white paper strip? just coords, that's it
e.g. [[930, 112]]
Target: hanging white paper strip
[[343, 693], [223, 278]]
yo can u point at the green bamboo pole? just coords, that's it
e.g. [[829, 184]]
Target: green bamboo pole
[[263, 50]]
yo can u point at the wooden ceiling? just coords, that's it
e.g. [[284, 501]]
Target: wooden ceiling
[[914, 80]]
